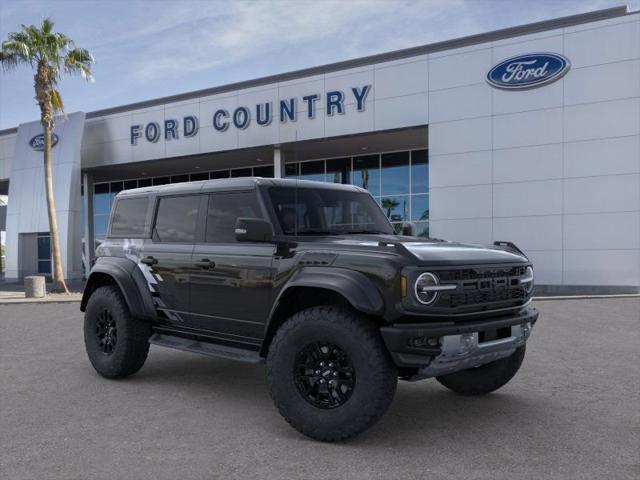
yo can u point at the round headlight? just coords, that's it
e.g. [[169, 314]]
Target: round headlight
[[424, 291], [527, 280]]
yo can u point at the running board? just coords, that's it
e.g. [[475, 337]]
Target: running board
[[213, 350]]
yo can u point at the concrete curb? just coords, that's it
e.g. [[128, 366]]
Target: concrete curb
[[17, 301]]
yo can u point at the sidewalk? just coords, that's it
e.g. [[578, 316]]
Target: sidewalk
[[13, 293]]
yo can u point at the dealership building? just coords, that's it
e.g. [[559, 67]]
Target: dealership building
[[529, 134]]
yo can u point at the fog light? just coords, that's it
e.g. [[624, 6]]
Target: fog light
[[423, 342]]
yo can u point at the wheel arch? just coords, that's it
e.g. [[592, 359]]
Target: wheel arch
[[124, 274], [318, 285]]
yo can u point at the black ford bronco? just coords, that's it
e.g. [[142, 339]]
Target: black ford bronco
[[310, 279]]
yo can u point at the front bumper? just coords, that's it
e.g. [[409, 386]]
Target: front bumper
[[433, 349]]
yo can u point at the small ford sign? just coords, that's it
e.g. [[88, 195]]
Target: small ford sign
[[37, 142], [528, 71]]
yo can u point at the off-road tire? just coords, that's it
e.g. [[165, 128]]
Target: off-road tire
[[132, 342], [485, 379], [375, 374]]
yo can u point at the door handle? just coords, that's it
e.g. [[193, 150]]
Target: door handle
[[205, 263], [149, 261]]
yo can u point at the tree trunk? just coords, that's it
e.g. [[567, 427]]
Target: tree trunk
[[59, 284]]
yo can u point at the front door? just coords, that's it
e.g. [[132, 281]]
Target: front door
[[230, 291], [167, 257]]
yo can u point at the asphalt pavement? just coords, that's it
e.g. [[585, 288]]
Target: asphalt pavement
[[573, 411]]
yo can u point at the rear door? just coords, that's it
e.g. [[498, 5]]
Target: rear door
[[167, 257], [230, 291]]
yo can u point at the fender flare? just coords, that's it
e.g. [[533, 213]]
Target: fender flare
[[131, 282], [356, 287]]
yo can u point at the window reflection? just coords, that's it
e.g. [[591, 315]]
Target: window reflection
[[419, 171], [419, 207], [338, 170], [366, 173], [312, 171], [395, 173], [396, 208]]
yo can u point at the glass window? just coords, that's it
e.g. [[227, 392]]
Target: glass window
[[396, 208], [44, 246], [176, 219], [219, 174], [419, 171], [224, 210], [179, 178], [312, 171], [161, 180], [101, 199], [291, 169], [312, 211], [366, 173], [101, 188], [422, 229], [265, 171], [116, 187], [129, 217], [129, 184], [100, 223], [338, 170], [241, 172], [395, 173], [419, 207], [144, 182], [196, 177], [44, 266]]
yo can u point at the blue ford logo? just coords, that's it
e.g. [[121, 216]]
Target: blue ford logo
[[37, 142], [528, 71]]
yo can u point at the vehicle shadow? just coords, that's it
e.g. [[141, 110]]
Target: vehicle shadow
[[421, 412]]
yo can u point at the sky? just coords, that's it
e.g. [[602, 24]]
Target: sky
[[150, 49]]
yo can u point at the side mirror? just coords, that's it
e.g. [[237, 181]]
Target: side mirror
[[253, 230], [408, 229]]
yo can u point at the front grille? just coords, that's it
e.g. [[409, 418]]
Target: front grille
[[482, 287]]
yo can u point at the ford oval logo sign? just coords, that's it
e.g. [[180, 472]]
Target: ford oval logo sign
[[37, 142], [528, 71]]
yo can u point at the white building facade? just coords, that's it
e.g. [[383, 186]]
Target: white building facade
[[529, 134]]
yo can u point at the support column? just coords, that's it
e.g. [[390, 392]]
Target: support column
[[87, 221], [278, 163]]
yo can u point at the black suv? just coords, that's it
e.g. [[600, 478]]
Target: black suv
[[310, 278]]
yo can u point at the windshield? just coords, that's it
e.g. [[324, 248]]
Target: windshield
[[308, 211]]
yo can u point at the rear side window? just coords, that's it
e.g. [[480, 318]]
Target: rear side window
[[224, 210], [176, 219], [129, 217]]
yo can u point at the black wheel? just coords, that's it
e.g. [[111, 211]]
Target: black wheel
[[116, 343], [484, 379], [329, 373]]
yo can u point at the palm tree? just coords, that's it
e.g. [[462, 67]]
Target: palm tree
[[50, 54]]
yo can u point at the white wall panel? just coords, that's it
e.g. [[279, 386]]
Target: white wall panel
[[527, 128], [527, 198], [602, 231], [460, 136], [601, 120], [351, 122], [460, 202], [608, 156], [547, 266], [549, 96], [602, 82], [456, 70], [472, 168], [398, 112], [603, 45], [616, 193], [602, 267], [346, 82], [474, 230], [399, 80], [548, 41], [459, 103], [542, 232], [540, 162]]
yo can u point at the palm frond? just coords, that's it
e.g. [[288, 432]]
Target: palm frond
[[79, 61], [56, 101]]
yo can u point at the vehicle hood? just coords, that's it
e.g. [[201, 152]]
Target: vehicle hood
[[425, 251]]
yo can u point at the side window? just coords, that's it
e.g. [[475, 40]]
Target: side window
[[224, 210], [129, 216], [176, 219]]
